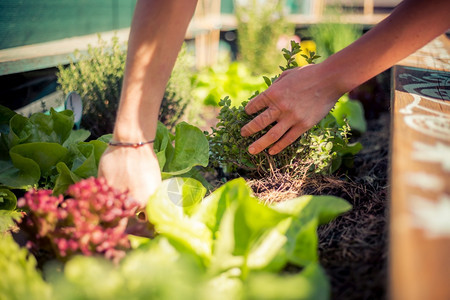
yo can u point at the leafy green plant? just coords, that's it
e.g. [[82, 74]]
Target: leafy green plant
[[333, 37], [178, 91], [179, 154], [260, 24], [97, 76], [43, 151], [233, 79], [20, 279], [225, 246], [321, 150], [350, 111], [90, 219]]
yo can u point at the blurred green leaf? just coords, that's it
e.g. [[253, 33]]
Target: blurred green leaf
[[352, 111], [8, 200]]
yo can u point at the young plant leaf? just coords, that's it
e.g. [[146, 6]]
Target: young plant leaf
[[8, 200], [166, 210], [191, 149]]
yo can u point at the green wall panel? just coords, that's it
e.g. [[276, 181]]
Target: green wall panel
[[25, 22]]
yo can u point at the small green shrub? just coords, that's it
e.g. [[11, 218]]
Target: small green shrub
[[233, 79], [319, 150], [98, 75], [259, 25], [333, 37], [178, 90]]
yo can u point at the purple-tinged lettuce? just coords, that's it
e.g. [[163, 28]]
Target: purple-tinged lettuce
[[91, 219]]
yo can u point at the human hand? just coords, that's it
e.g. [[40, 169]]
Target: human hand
[[136, 170], [133, 169], [296, 101]]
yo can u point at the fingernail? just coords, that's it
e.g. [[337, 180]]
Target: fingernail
[[251, 150], [243, 131]]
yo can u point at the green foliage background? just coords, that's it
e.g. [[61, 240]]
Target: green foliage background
[[98, 75], [260, 24]]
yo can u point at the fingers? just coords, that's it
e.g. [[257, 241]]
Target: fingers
[[269, 138], [291, 136], [266, 118], [258, 103]]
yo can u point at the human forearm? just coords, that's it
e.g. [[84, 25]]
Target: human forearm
[[156, 35], [410, 26]]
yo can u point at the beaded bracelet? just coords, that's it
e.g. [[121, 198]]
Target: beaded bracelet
[[125, 144]]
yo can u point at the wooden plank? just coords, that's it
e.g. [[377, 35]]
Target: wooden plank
[[228, 22], [51, 54], [420, 176], [434, 56]]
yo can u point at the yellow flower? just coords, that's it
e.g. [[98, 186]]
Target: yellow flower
[[307, 47]]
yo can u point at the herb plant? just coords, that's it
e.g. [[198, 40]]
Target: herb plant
[[319, 150], [260, 24], [333, 37], [98, 75], [227, 245]]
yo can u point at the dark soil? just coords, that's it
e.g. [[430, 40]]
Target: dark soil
[[352, 248]]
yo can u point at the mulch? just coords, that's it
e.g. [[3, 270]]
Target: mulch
[[353, 247]]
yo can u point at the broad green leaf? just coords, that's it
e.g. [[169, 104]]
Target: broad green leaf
[[265, 253], [302, 245], [20, 129], [352, 111], [328, 122], [326, 208], [82, 271], [99, 148], [310, 284], [64, 179], [162, 141], [20, 276], [308, 213], [4, 149], [20, 173], [8, 200], [5, 116], [45, 155], [249, 235], [63, 123], [84, 162], [353, 148], [53, 128], [8, 219], [105, 138], [76, 136], [191, 149], [212, 208], [252, 221], [167, 213]]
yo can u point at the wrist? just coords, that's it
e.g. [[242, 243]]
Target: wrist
[[133, 131], [337, 74]]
